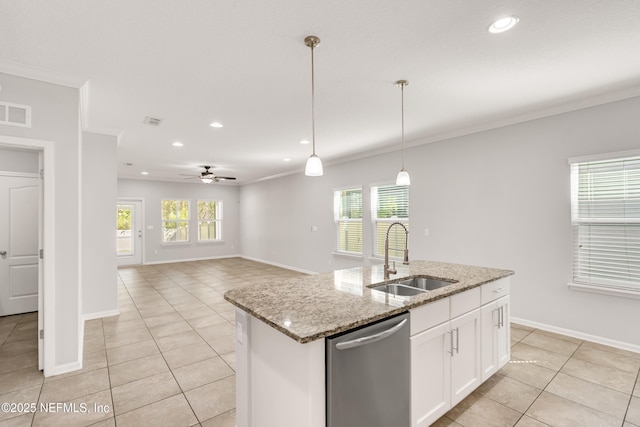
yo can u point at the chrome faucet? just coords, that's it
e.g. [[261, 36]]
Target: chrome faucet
[[405, 261]]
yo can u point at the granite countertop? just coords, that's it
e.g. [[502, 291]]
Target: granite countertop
[[317, 306]]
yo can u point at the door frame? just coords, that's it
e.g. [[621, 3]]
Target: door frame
[[125, 200], [46, 270]]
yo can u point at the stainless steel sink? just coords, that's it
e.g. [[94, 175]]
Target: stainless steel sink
[[424, 283], [412, 286], [398, 289]]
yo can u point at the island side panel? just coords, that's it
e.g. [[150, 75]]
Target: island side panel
[[280, 382]]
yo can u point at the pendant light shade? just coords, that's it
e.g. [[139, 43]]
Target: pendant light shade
[[403, 176], [314, 164]]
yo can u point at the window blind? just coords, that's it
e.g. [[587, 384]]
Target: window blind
[[605, 213], [390, 204], [348, 218]]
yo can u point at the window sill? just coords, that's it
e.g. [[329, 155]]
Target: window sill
[[604, 290], [347, 255], [173, 244], [209, 242]]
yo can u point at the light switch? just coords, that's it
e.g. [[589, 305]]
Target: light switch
[[314, 228], [426, 232]]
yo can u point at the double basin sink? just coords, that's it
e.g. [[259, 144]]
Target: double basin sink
[[412, 286]]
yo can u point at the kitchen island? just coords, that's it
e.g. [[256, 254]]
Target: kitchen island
[[281, 326]]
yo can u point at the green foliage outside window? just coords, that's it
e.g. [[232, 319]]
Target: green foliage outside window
[[175, 220], [209, 220]]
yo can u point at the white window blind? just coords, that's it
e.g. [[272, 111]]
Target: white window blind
[[347, 205], [390, 203], [605, 214]]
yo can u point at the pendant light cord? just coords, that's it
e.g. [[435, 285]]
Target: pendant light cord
[[313, 109], [402, 109]]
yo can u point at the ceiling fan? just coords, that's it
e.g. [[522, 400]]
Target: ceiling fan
[[208, 177]]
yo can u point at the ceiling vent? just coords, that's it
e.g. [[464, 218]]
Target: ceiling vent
[[15, 114], [152, 121]]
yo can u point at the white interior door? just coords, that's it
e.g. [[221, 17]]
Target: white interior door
[[129, 232], [19, 239]]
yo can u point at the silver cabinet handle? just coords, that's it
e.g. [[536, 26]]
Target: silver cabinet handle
[[457, 340], [3, 253], [371, 338], [450, 343]]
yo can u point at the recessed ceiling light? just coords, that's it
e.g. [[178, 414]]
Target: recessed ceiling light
[[144, 173], [304, 141], [503, 24], [177, 144], [215, 125], [286, 159]]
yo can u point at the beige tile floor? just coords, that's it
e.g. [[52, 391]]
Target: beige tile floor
[[168, 359]]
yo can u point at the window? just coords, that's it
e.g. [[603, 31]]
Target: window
[[175, 221], [209, 220], [389, 204], [605, 218], [347, 206]]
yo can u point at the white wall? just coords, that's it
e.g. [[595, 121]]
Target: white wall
[[499, 198], [152, 192], [55, 117], [99, 195]]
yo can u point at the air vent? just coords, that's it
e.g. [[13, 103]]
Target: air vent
[[152, 121], [15, 114]]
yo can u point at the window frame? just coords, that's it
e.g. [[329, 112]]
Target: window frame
[[337, 205], [218, 221], [177, 220], [584, 277], [376, 221]]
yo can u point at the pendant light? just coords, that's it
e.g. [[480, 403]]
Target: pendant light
[[403, 175], [314, 164]]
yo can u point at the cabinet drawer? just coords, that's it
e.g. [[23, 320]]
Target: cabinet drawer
[[427, 316], [494, 290], [464, 302]]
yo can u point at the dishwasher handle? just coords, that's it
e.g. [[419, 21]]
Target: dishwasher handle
[[371, 338]]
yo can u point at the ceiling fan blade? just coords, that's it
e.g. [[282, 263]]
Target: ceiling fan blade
[[225, 178]]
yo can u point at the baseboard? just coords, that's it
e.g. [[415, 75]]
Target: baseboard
[[100, 314], [580, 335], [187, 260], [275, 264]]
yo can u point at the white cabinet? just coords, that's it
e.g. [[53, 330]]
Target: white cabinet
[[496, 332], [430, 375], [445, 355], [496, 339], [466, 372]]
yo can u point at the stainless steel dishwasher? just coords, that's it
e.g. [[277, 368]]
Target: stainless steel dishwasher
[[368, 375]]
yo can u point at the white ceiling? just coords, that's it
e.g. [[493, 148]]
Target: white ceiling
[[243, 63]]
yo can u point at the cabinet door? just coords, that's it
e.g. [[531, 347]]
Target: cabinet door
[[490, 321], [503, 338], [430, 375], [496, 336], [466, 369]]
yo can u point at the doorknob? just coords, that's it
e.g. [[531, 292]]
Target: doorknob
[[3, 253]]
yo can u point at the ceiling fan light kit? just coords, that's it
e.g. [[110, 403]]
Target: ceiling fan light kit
[[207, 177]]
